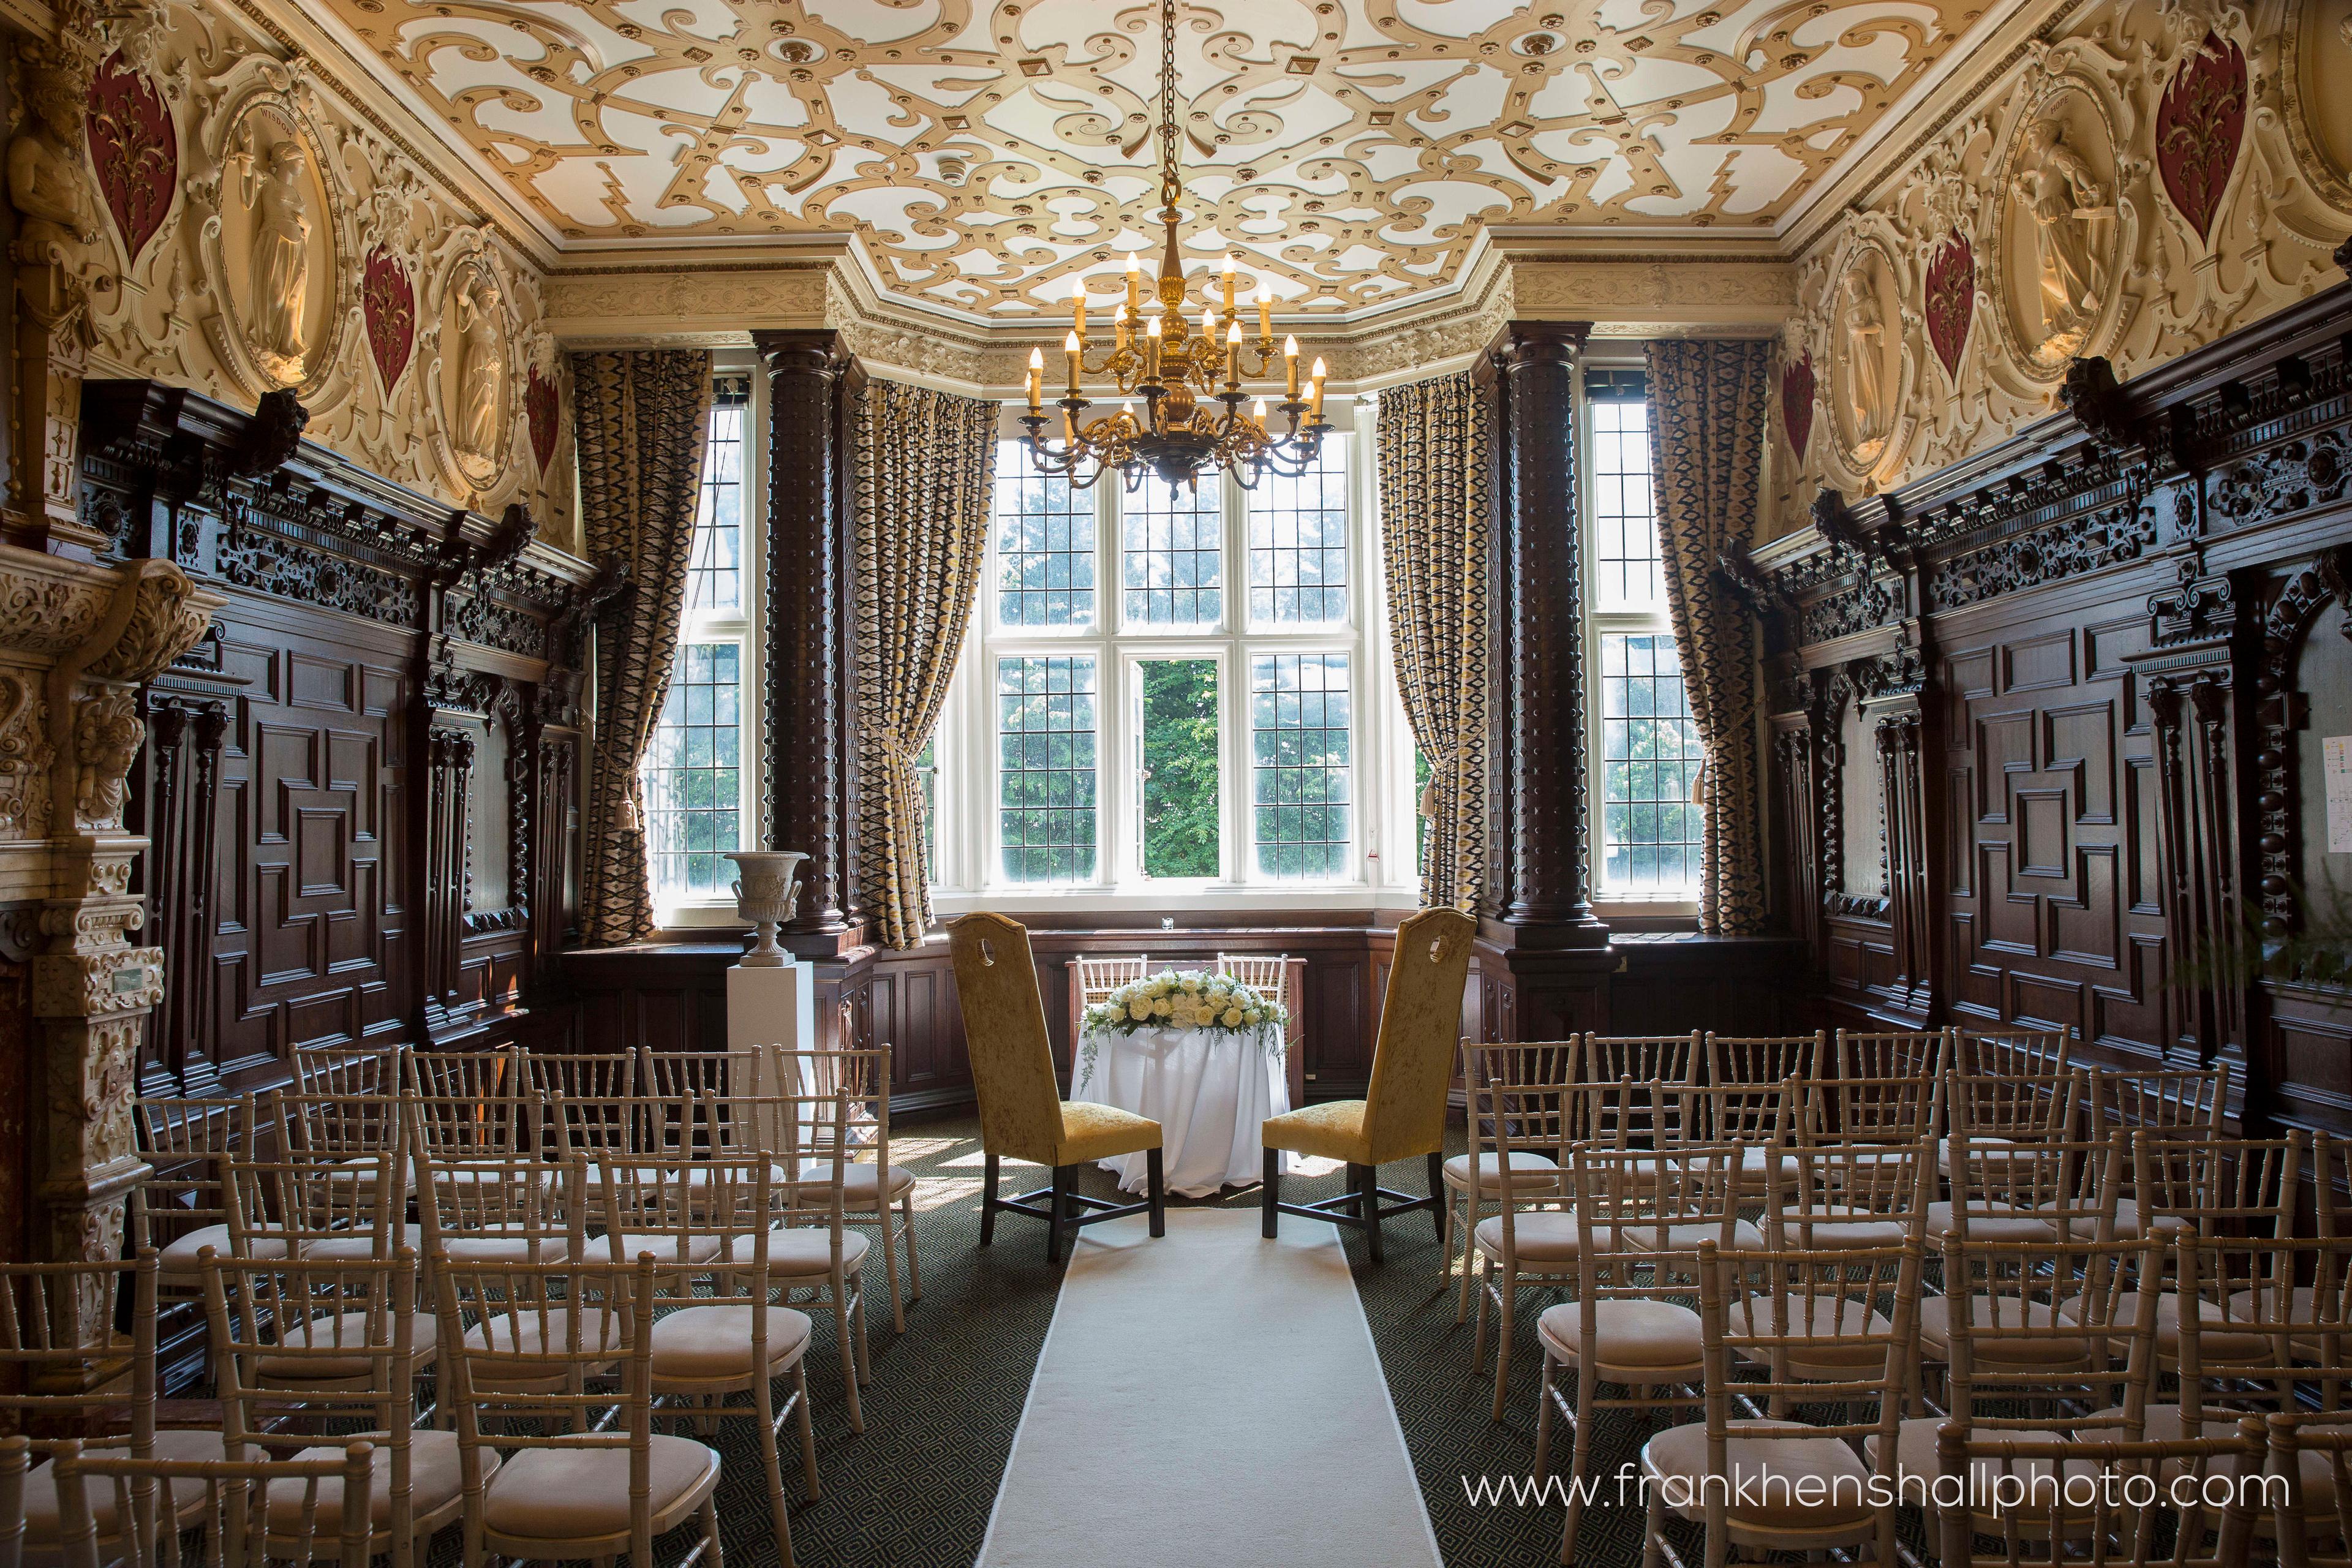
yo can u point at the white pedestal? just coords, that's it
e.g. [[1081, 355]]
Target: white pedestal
[[771, 1007]]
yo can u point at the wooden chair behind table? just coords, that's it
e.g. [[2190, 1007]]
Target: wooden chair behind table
[[1021, 1113], [1402, 1115]]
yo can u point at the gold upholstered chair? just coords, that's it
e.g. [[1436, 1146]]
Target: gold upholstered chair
[[1022, 1111], [1403, 1113]]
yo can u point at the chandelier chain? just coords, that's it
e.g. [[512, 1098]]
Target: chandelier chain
[[1170, 186]]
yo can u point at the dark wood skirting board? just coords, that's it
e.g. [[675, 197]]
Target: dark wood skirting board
[[2043, 723], [672, 996]]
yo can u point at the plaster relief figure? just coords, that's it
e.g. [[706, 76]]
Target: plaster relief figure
[[46, 180], [1865, 328], [2066, 200], [481, 371], [281, 258]]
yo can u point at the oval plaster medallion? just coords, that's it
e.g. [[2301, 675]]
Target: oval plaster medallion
[[2317, 67], [275, 248], [2060, 234], [472, 382]]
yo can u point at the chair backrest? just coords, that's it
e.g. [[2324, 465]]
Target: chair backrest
[[2075, 1185], [260, 1510], [1984, 1053], [188, 1144], [465, 1075], [2095, 1521], [1098, 978], [1908, 1053], [2218, 1186], [463, 1127], [1869, 1110], [2023, 1107], [349, 1069], [1611, 1058], [1420, 1034], [2297, 1522], [2181, 1100], [1526, 1083], [686, 1212], [598, 1075], [1743, 1114], [65, 1357], [862, 1073], [283, 1206], [1268, 975], [2272, 1325], [1736, 1060], [497, 1199], [2034, 1327], [1844, 1191], [338, 1126], [1637, 1214], [1004, 1035]]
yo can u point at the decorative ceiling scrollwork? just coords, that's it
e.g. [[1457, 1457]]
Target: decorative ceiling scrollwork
[[1347, 150]]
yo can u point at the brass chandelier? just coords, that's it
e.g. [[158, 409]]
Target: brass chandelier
[[1181, 375]]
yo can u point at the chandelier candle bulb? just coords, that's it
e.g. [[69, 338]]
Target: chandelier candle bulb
[[1234, 357], [1229, 286], [1070, 347], [1036, 379], [1151, 350], [1078, 309], [1264, 314], [1120, 323], [1315, 404], [1291, 366], [1134, 279]]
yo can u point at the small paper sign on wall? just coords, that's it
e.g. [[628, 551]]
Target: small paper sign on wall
[[2335, 762]]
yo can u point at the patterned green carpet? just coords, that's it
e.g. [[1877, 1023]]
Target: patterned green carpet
[[915, 1489]]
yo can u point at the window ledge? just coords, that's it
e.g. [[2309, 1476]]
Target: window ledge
[[1221, 897]]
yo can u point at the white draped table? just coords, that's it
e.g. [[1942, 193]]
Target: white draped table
[[1208, 1089]]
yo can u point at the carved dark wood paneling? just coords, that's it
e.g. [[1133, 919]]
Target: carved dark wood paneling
[[2102, 777], [331, 871]]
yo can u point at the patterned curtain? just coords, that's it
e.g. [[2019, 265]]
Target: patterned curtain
[[1707, 440], [925, 482], [1435, 539], [639, 421]]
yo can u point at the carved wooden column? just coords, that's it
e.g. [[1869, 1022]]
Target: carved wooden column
[[811, 379], [1903, 795], [178, 808], [1550, 859], [448, 795], [1797, 808]]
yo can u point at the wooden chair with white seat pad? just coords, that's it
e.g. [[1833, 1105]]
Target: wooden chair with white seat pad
[[1645, 1059], [1535, 1166], [1782, 1485], [301, 1347], [501, 1208], [458, 1130], [814, 1248], [181, 1205], [2042, 1339], [1403, 1113], [1098, 978], [1532, 1238], [1742, 1060], [2009, 1108], [355, 1130], [1897, 1054], [582, 1472], [1642, 1221], [1021, 1113], [255, 1510], [65, 1366], [318, 1207], [716, 1332], [1854, 1113], [580, 1076], [2111, 1527], [2257, 1342], [1850, 1192], [1757, 1118], [2172, 1100], [878, 1188], [461, 1075]]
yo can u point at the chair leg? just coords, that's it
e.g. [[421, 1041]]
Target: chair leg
[[857, 1316], [762, 1400], [1062, 1175], [1371, 1209], [808, 1432], [1541, 1467], [1478, 1330], [848, 1358], [907, 1228], [1157, 1188], [987, 1198], [1503, 1324], [1269, 1188], [715, 1555], [1469, 1228], [890, 1264], [1438, 1207]]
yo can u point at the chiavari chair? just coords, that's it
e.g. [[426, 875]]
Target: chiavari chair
[[1098, 978], [814, 1249], [1995, 1109], [2256, 1344], [465, 1075], [1783, 1485], [2002, 1053], [1266, 973], [349, 1069], [365, 1133], [2183, 1100], [256, 1510], [181, 1207], [1744, 1061], [583, 1473], [298, 1346], [70, 1368], [1758, 1119], [1482, 1177], [488, 1208], [2053, 1524], [877, 1185], [2044, 1342], [1645, 1059], [1899, 1054], [1642, 1223], [716, 1332], [320, 1206], [1532, 1238]]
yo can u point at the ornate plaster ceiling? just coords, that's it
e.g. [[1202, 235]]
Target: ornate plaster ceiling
[[1347, 150]]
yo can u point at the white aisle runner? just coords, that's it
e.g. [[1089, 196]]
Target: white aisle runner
[[1210, 1398]]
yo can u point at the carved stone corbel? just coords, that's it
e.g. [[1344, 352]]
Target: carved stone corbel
[[2092, 396]]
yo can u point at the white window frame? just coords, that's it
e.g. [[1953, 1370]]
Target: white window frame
[[747, 628], [1616, 905], [969, 861]]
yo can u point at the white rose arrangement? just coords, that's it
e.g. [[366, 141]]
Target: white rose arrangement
[[1186, 1000]]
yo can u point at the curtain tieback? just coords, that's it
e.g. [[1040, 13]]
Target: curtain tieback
[[1449, 761]]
